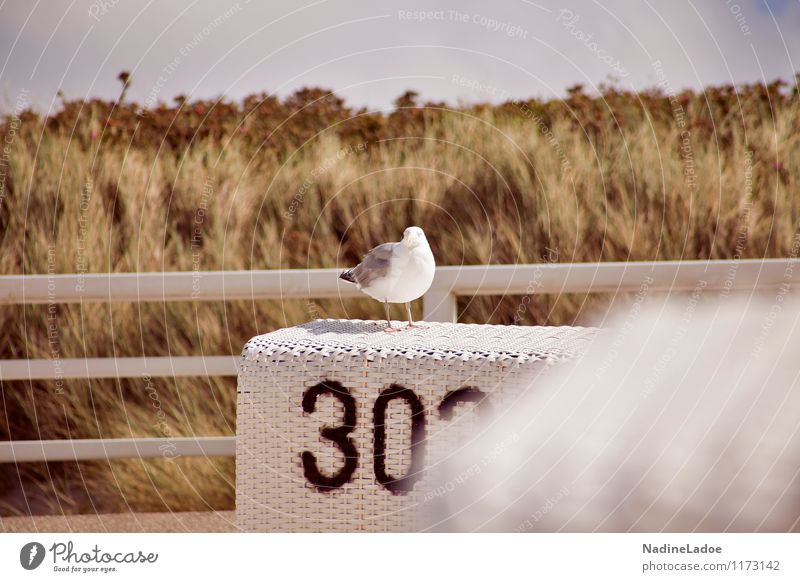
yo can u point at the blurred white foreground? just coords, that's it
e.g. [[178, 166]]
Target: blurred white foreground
[[685, 416]]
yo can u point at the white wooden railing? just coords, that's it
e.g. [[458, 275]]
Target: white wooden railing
[[439, 304]]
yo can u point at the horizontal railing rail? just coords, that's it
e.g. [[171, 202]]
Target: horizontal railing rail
[[177, 286], [154, 367], [555, 278], [439, 304], [93, 449]]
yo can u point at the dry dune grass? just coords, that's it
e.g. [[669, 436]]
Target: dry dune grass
[[309, 182]]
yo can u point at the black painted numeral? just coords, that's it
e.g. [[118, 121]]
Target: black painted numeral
[[338, 435], [399, 485], [465, 394]]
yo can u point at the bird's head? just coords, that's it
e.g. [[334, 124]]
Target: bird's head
[[414, 237]]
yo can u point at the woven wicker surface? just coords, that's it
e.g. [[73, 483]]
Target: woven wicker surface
[[336, 337], [341, 367]]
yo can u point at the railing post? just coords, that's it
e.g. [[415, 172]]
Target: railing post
[[439, 305]]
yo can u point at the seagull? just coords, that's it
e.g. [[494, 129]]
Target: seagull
[[396, 272]]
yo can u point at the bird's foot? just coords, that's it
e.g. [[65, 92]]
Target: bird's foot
[[391, 329]]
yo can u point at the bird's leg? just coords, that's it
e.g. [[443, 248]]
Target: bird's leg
[[389, 328], [411, 321]]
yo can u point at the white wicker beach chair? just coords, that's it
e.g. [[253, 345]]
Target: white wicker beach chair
[[339, 422]]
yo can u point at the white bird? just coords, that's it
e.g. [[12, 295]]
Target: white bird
[[397, 272]]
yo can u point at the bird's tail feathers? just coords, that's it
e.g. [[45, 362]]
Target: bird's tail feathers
[[348, 276]]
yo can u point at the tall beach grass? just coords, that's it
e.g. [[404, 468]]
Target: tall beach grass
[[309, 182]]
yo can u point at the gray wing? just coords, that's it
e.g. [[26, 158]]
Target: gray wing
[[375, 265]]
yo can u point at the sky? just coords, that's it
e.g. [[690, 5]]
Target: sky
[[372, 52]]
